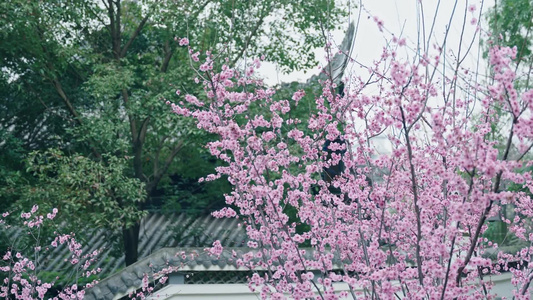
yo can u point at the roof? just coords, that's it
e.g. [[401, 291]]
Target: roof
[[157, 231], [183, 259], [178, 260]]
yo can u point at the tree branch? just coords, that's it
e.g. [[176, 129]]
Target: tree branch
[[133, 123], [168, 55], [483, 218], [249, 38], [135, 34], [415, 197], [142, 131], [112, 27], [157, 152], [160, 172], [118, 32], [526, 285], [73, 112], [63, 95], [95, 14]]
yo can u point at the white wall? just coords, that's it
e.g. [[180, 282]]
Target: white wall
[[502, 288], [213, 291]]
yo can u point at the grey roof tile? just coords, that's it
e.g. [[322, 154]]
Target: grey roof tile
[[206, 263], [139, 271], [114, 287], [192, 263], [131, 277], [93, 292], [106, 293], [192, 235], [223, 263], [137, 282], [127, 278], [156, 232]]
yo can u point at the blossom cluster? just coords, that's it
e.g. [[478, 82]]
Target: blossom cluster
[[21, 275], [405, 224]]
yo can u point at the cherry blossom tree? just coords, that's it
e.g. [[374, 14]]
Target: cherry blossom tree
[[22, 273], [406, 223]]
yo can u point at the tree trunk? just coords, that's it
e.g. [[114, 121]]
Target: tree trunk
[[130, 238]]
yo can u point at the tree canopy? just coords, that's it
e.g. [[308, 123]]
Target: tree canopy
[[85, 83]]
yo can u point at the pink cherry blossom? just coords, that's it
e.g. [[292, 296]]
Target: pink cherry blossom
[[392, 225]]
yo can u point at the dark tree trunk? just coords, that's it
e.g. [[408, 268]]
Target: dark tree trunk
[[130, 238]]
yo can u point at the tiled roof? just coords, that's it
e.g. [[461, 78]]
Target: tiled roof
[[157, 231], [339, 61], [182, 259], [165, 230], [185, 260]]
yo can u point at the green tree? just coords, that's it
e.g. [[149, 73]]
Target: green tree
[[511, 24], [96, 75]]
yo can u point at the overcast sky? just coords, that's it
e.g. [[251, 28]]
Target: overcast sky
[[399, 18]]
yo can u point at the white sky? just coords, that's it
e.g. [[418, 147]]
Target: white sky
[[397, 15]]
